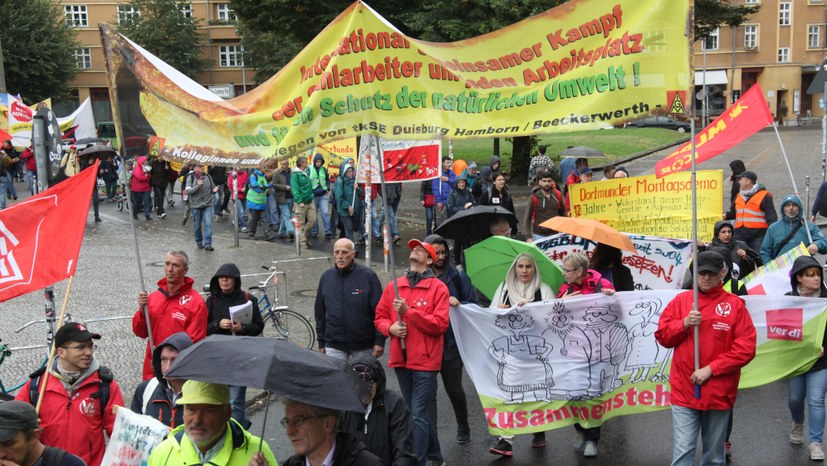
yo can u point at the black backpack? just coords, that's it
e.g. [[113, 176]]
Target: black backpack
[[53, 456], [103, 393]]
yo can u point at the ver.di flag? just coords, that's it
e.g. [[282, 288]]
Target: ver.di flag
[[747, 116], [586, 360], [40, 237]]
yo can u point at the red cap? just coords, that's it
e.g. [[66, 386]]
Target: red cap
[[431, 251]]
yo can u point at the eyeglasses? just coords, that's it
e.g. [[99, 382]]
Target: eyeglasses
[[568, 270], [81, 347], [364, 372], [297, 421]]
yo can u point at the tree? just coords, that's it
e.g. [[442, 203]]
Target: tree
[[38, 49], [164, 28], [712, 14]]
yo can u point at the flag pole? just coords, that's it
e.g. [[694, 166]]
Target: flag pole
[[792, 178], [391, 253], [113, 101], [693, 179], [53, 349]]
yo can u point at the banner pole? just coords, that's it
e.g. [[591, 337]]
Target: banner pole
[[792, 178], [234, 198], [113, 101], [693, 113], [53, 350]]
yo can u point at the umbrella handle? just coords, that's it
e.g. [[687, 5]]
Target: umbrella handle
[[264, 422]]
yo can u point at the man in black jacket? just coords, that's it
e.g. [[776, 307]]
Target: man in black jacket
[[156, 397], [386, 428], [314, 434], [346, 302], [225, 292]]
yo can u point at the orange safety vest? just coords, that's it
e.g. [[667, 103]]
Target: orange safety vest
[[748, 214]]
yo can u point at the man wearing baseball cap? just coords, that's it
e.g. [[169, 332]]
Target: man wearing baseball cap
[[209, 434], [20, 439], [76, 409], [417, 314], [726, 343]]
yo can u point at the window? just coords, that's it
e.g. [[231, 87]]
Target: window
[[751, 37], [75, 16], [751, 2], [711, 41], [83, 57], [225, 13], [128, 14], [784, 55], [784, 10], [186, 9], [231, 56], [813, 37]]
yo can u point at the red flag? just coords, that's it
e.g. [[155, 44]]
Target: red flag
[[40, 237], [743, 119]]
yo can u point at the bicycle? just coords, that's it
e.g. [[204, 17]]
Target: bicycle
[[283, 323]]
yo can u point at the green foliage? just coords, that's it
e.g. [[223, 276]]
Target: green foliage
[[164, 30], [38, 49], [712, 14]]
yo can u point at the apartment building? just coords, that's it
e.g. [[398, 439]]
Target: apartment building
[[780, 47], [227, 76]]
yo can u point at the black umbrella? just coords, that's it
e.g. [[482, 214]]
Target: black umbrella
[[275, 365], [582, 151], [474, 223], [97, 150]]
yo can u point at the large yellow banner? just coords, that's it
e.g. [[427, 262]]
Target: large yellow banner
[[583, 65], [647, 205]]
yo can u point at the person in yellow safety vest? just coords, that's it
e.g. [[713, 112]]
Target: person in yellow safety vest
[[753, 212]]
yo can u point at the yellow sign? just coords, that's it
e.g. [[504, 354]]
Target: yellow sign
[[583, 65], [647, 205]]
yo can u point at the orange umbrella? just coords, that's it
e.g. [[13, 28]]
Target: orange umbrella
[[590, 229]]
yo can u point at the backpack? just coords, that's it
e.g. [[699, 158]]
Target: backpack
[[103, 393], [53, 456], [822, 206]]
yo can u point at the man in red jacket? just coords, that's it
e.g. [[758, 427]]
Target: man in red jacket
[[419, 316], [726, 343], [76, 410], [174, 307]]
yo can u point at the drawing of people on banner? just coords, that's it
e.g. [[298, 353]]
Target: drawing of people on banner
[[608, 347], [570, 343], [522, 359], [643, 349]]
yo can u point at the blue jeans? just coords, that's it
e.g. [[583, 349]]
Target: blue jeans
[[10, 177], [216, 196], [810, 386], [142, 199], [202, 214], [712, 424], [429, 220], [285, 225], [271, 214], [390, 211], [418, 388], [238, 401], [322, 204], [240, 208], [376, 220], [4, 189], [31, 178]]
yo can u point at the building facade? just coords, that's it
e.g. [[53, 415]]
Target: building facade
[[226, 76], [780, 47]]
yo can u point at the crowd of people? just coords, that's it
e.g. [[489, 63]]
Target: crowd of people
[[357, 318]]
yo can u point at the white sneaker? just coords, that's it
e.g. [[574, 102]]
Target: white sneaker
[[590, 450], [244, 229], [816, 452], [797, 434], [577, 443]]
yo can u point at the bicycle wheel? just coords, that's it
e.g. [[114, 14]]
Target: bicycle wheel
[[291, 326]]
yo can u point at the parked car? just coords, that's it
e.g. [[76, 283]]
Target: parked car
[[661, 122]]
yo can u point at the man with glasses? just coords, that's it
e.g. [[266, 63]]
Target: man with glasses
[[702, 399], [314, 433], [76, 408], [385, 428], [210, 435]]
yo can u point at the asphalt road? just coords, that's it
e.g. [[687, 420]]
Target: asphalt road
[[107, 282]]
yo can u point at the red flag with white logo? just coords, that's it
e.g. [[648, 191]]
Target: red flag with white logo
[[40, 237]]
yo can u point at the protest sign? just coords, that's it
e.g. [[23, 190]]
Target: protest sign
[[583, 65], [647, 205], [133, 438], [589, 359], [773, 279], [659, 263], [403, 160]]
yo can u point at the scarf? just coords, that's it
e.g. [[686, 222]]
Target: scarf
[[749, 192]]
